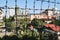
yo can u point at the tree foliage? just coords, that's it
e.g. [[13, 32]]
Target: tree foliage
[[10, 19], [8, 22], [37, 22], [24, 22], [56, 22]]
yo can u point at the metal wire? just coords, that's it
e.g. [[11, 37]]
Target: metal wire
[[16, 15], [5, 17], [25, 6], [54, 3], [48, 4], [34, 9]]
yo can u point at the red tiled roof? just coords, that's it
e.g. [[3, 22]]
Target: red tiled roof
[[53, 27]]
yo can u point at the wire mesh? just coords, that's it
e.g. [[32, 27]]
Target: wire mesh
[[28, 7]]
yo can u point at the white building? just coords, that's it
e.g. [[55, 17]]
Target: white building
[[18, 11], [1, 15], [25, 12], [12, 12], [2, 24]]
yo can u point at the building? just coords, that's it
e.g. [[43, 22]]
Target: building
[[39, 16], [46, 14], [12, 12], [25, 12], [18, 11], [2, 24], [21, 17], [1, 15], [54, 28]]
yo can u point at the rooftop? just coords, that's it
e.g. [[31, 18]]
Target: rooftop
[[53, 27]]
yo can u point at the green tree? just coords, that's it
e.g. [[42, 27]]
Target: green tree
[[8, 22], [10, 19], [24, 22], [56, 22], [37, 22]]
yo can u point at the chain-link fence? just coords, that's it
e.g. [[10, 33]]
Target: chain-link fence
[[24, 18]]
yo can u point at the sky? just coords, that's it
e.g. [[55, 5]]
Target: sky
[[21, 4]]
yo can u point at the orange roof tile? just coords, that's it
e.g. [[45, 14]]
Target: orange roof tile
[[53, 27]]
